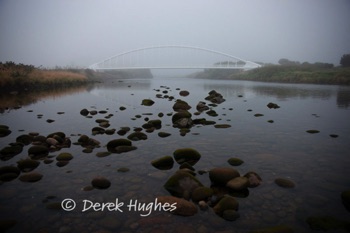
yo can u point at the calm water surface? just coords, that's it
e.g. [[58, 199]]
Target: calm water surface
[[317, 163]]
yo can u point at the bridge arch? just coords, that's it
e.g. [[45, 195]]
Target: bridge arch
[[173, 57]]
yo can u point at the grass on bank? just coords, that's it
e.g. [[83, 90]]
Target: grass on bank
[[14, 76], [296, 74]]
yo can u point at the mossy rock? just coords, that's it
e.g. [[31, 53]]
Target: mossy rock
[[62, 163], [64, 156], [38, 152], [123, 149], [312, 131], [10, 151], [98, 130], [225, 203], [100, 183], [27, 165], [284, 183], [345, 196], [180, 105], [186, 155], [222, 175], [184, 93], [272, 105], [230, 215], [147, 102], [8, 173], [83, 139], [179, 115], [211, 113], [103, 154], [163, 163], [84, 112], [238, 183], [235, 161], [59, 136], [137, 136], [31, 177], [123, 169], [182, 184], [254, 179], [222, 126], [274, 229], [201, 194], [4, 131], [163, 134], [111, 145], [25, 139], [156, 123], [325, 223]]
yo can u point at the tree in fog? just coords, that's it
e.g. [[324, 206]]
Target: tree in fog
[[345, 60]]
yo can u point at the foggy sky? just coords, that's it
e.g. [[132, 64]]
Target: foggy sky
[[82, 32]]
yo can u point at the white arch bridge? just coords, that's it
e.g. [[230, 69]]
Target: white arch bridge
[[173, 57]]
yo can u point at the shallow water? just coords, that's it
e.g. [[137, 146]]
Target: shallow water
[[317, 163]]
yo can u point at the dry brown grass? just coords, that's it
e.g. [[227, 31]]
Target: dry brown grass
[[18, 76], [55, 76]]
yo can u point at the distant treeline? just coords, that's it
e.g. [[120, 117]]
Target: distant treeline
[[287, 71], [305, 73]]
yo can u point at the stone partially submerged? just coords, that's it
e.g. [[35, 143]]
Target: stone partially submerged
[[182, 184], [186, 155], [215, 97]]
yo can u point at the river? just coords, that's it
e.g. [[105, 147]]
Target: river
[[274, 145]]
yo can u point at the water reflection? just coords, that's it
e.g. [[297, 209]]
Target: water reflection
[[343, 97], [16, 100]]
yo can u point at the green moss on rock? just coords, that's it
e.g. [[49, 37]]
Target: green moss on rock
[[235, 161], [188, 155], [147, 102], [163, 163], [64, 156]]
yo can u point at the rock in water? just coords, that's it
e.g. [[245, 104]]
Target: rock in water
[[183, 207], [100, 183], [285, 183], [222, 175], [182, 184], [186, 155]]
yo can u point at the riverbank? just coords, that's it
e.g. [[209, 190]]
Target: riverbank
[[284, 74], [296, 74], [19, 77]]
